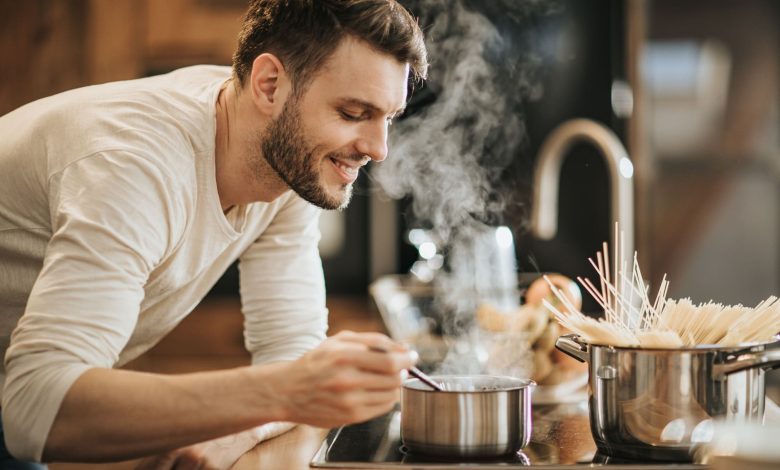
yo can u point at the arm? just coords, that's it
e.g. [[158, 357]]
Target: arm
[[217, 454], [116, 414], [106, 212], [282, 286], [283, 300]]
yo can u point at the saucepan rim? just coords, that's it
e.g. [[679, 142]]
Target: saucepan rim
[[700, 348], [516, 383]]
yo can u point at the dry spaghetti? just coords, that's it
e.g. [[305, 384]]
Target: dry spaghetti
[[633, 318]]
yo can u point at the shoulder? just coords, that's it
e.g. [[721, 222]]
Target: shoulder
[[116, 178], [167, 117]]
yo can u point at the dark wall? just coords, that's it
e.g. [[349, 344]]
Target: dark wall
[[577, 86], [574, 51]]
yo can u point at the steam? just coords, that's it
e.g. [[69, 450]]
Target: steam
[[450, 155], [438, 153]]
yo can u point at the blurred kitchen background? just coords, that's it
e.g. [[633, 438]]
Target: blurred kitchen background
[[690, 88]]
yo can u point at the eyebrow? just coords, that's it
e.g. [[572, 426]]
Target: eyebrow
[[372, 107]]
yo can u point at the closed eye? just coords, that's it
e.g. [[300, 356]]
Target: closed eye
[[350, 117]]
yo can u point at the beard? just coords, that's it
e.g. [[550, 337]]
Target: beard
[[286, 149]]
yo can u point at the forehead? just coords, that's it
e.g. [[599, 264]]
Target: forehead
[[357, 71]]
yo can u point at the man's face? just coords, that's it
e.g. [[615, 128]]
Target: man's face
[[320, 140]]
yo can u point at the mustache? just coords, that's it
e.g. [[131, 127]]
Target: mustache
[[353, 156]]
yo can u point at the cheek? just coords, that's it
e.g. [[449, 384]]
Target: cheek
[[334, 136]]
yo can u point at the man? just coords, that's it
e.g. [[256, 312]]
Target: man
[[121, 205]]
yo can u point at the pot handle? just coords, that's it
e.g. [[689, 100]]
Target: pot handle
[[748, 359], [572, 346]]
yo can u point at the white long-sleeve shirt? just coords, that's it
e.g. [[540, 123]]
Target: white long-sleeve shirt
[[111, 232]]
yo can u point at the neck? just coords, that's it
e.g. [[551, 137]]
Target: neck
[[243, 175]]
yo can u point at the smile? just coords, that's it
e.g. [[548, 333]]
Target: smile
[[347, 172]]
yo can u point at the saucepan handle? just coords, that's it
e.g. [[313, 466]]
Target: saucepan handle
[[764, 357], [574, 347]]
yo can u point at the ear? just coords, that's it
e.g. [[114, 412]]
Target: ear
[[269, 84]]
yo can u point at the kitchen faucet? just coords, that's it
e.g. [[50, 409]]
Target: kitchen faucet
[[544, 212]]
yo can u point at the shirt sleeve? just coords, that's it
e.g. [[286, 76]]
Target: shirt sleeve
[[107, 235], [282, 286]]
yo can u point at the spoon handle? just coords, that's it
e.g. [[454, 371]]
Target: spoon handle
[[414, 371], [424, 378]]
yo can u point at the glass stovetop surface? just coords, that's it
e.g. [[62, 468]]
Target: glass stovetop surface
[[561, 439]]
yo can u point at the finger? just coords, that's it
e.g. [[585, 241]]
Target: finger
[[349, 379], [373, 340], [364, 405], [387, 363], [359, 399], [379, 398]]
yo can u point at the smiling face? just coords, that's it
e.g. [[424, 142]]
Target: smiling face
[[320, 140]]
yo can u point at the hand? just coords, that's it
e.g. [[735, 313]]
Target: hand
[[351, 377], [217, 454]]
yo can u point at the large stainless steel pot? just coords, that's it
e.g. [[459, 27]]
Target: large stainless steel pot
[[660, 404], [475, 416]]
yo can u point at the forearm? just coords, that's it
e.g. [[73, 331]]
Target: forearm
[[116, 414]]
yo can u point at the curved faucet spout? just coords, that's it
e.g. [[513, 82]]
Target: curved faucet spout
[[544, 212]]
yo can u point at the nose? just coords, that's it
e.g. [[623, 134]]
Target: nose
[[373, 141]]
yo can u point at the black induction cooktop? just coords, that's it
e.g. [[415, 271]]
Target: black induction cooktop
[[561, 439]]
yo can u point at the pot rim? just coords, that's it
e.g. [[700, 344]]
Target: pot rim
[[699, 348], [521, 383]]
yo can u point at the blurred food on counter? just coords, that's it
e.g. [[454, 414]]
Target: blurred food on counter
[[524, 338]]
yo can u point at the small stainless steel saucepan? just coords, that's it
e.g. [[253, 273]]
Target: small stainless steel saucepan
[[660, 404], [474, 416]]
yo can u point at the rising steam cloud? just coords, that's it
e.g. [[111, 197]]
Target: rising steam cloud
[[449, 156]]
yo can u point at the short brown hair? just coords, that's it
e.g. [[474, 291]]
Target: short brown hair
[[304, 33]]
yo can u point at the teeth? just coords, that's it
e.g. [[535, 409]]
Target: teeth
[[351, 171]]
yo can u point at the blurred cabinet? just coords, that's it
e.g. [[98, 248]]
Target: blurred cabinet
[[50, 46], [711, 117]]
